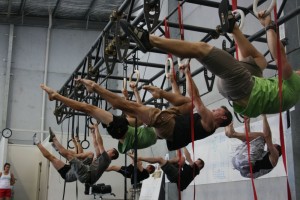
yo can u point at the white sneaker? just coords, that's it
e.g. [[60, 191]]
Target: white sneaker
[[36, 140]]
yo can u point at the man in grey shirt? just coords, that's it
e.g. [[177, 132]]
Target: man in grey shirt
[[88, 173]]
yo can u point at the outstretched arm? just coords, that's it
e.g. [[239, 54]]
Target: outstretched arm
[[136, 93], [188, 156], [268, 138], [113, 168], [95, 143], [139, 162], [206, 115], [231, 133], [99, 140], [272, 44], [153, 160]]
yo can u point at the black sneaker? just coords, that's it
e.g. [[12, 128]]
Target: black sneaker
[[52, 135], [227, 19], [139, 35]]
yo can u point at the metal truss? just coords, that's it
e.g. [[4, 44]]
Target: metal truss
[[99, 63]]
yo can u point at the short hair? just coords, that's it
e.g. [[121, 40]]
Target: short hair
[[115, 154], [228, 119], [278, 147], [203, 163], [5, 165], [152, 169]]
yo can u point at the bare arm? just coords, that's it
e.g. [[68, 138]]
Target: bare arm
[[153, 160], [268, 138], [272, 44], [113, 168], [79, 147], [135, 92], [95, 143], [206, 115], [12, 179], [175, 88], [231, 133], [188, 156], [75, 145]]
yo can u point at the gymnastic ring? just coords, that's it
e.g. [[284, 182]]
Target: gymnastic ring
[[85, 141], [69, 146], [242, 19], [169, 62], [268, 11], [137, 77], [92, 122], [124, 83]]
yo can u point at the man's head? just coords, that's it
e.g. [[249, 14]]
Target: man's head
[[199, 163], [150, 169], [6, 167], [223, 116], [113, 153]]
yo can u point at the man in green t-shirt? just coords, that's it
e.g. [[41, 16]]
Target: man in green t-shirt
[[251, 95]]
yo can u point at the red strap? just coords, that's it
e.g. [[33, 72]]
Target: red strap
[[167, 33], [180, 22], [192, 131], [249, 160], [234, 7], [279, 66]]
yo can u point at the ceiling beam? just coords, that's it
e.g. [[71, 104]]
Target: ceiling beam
[[22, 7], [55, 8], [57, 23]]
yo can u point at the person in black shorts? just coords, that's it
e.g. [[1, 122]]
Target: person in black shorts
[[186, 174], [128, 171], [172, 124], [62, 168]]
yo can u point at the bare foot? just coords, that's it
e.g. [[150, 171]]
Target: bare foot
[[229, 131], [51, 93], [87, 83], [155, 91]]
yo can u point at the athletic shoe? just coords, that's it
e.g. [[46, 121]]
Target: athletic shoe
[[52, 135], [139, 35], [227, 19], [35, 139]]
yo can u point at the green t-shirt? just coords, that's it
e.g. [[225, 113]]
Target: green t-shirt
[[264, 98], [146, 137]]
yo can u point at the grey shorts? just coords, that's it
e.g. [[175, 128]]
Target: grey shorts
[[81, 170], [235, 81], [240, 160]]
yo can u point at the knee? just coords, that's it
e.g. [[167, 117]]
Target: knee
[[201, 49]]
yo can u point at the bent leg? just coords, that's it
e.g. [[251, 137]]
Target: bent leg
[[246, 49], [57, 164]]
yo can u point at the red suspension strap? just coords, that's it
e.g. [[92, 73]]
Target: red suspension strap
[[234, 7], [279, 66], [249, 160]]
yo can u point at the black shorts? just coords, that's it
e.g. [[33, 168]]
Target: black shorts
[[118, 127], [171, 171], [64, 170]]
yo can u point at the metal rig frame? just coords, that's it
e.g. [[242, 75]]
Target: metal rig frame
[[100, 60]]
